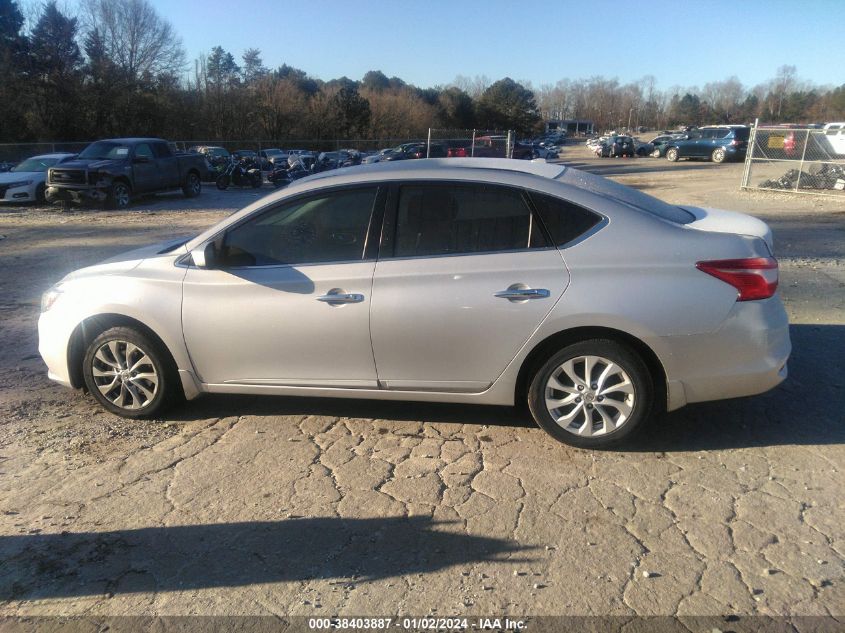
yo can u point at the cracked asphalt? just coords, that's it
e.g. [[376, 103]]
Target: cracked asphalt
[[289, 506]]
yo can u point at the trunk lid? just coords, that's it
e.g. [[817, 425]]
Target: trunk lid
[[721, 221]]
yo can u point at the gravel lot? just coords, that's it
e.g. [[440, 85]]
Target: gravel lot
[[292, 506]]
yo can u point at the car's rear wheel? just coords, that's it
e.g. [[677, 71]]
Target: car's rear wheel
[[672, 154], [718, 155], [129, 373], [591, 394], [192, 187]]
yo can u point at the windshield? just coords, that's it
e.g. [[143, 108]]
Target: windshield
[[104, 150], [626, 195], [35, 164]]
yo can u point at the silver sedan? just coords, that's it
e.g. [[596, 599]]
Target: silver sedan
[[486, 281]]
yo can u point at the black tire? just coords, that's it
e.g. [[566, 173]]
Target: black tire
[[192, 187], [672, 155], [165, 393], [41, 194], [222, 182], [624, 358], [655, 153], [119, 196], [256, 180], [719, 155]]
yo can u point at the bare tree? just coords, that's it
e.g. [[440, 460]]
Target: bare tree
[[135, 37]]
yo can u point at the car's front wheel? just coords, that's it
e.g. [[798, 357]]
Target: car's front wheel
[[118, 196], [672, 154], [129, 373], [591, 394]]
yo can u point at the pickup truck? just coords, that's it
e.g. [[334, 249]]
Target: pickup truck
[[114, 170]]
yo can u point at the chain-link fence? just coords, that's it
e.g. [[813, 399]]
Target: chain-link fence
[[801, 160], [443, 143]]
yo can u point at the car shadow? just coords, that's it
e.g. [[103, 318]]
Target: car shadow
[[188, 557], [807, 409]]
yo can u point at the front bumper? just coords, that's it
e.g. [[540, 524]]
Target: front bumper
[[77, 193], [25, 193], [747, 355], [54, 333]]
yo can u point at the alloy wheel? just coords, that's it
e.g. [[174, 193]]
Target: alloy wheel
[[589, 396], [125, 374]]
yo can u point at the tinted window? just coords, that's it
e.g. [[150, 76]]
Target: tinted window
[[143, 150], [564, 220], [451, 219], [742, 133], [161, 150], [328, 228]]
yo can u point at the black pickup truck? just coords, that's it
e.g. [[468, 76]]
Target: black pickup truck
[[114, 170]]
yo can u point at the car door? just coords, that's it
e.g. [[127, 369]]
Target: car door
[[144, 169], [288, 304], [464, 277], [168, 166]]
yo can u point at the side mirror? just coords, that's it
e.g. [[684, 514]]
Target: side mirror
[[205, 257]]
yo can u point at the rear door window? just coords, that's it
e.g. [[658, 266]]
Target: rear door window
[[462, 219]]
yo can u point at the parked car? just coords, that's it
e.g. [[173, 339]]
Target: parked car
[[26, 181], [214, 153], [269, 157], [114, 170], [616, 146], [499, 282], [715, 142], [405, 151], [656, 147]]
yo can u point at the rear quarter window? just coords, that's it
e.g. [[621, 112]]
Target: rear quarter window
[[565, 221]]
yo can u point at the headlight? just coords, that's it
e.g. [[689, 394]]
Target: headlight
[[20, 183], [49, 298]]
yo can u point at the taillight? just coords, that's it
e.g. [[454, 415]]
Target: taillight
[[754, 278]]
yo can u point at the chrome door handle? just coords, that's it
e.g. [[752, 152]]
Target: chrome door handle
[[341, 298], [521, 294]]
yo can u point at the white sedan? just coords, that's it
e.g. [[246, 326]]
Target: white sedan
[[25, 181]]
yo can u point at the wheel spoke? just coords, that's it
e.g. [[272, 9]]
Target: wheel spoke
[[149, 394], [557, 403], [620, 405], [624, 386], [102, 358], [586, 428], [557, 385], [611, 369], [609, 424], [569, 417], [105, 389], [144, 360], [568, 368], [114, 348], [136, 399], [99, 373]]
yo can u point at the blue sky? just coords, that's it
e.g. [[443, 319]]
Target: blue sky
[[429, 42]]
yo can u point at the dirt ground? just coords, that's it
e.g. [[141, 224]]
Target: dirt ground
[[287, 506]]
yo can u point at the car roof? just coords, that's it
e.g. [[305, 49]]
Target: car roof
[[132, 139]]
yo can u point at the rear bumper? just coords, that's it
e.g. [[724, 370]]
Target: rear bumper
[[747, 355]]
